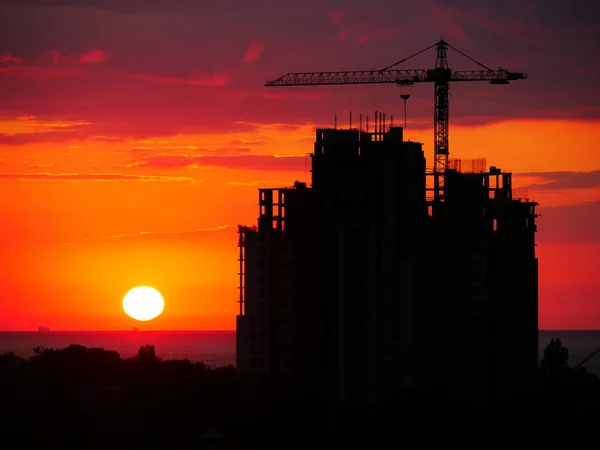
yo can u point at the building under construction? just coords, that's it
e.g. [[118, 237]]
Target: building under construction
[[364, 284]]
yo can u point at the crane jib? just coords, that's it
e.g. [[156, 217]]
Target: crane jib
[[394, 76], [440, 76]]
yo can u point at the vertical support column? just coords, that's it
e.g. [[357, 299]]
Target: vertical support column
[[241, 260]]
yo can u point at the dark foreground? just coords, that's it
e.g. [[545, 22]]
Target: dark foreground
[[92, 399]]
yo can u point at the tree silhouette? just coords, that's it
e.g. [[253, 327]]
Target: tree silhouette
[[556, 357], [147, 355]]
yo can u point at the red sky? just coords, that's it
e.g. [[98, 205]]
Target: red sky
[[134, 134]]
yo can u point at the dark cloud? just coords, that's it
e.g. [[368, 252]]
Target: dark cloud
[[213, 80], [552, 181], [188, 57], [571, 223]]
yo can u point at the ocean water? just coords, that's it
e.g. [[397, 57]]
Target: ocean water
[[217, 348]]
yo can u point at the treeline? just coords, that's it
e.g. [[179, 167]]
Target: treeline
[[82, 398], [92, 398]]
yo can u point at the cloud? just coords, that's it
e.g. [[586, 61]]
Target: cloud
[[106, 139], [94, 56], [569, 223], [279, 126], [448, 19], [48, 136], [7, 58], [51, 64], [218, 150], [259, 184], [210, 80], [89, 177], [253, 51], [41, 73], [217, 231], [551, 181], [54, 56], [227, 150], [168, 233], [248, 162], [166, 162], [361, 24], [242, 141], [179, 47], [45, 132], [286, 95]]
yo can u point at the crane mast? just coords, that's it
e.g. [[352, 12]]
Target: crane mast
[[440, 117], [441, 76]]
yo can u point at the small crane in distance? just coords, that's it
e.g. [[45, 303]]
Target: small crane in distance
[[441, 76]]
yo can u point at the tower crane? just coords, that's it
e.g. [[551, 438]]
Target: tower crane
[[441, 76]]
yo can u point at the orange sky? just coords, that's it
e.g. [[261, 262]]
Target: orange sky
[[115, 175]]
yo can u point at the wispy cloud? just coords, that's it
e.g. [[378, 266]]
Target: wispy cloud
[[449, 19], [253, 51], [242, 141], [8, 58], [51, 64], [552, 181], [106, 139], [170, 233], [266, 184], [55, 56], [94, 56], [41, 73], [251, 162], [45, 176], [161, 235], [45, 132], [570, 223], [202, 80], [28, 138]]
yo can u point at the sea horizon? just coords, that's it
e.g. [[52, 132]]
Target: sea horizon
[[130, 330], [218, 347], [51, 330], [212, 347]]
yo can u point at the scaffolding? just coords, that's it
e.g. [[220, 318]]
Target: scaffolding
[[242, 231], [477, 165]]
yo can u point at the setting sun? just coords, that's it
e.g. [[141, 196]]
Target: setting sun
[[143, 303]]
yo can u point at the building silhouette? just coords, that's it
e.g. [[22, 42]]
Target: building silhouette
[[363, 284]]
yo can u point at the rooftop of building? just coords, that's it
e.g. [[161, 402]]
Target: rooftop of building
[[374, 130]]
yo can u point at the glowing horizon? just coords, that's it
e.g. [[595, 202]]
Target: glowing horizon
[[130, 160]]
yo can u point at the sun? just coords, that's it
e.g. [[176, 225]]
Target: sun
[[143, 303]]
